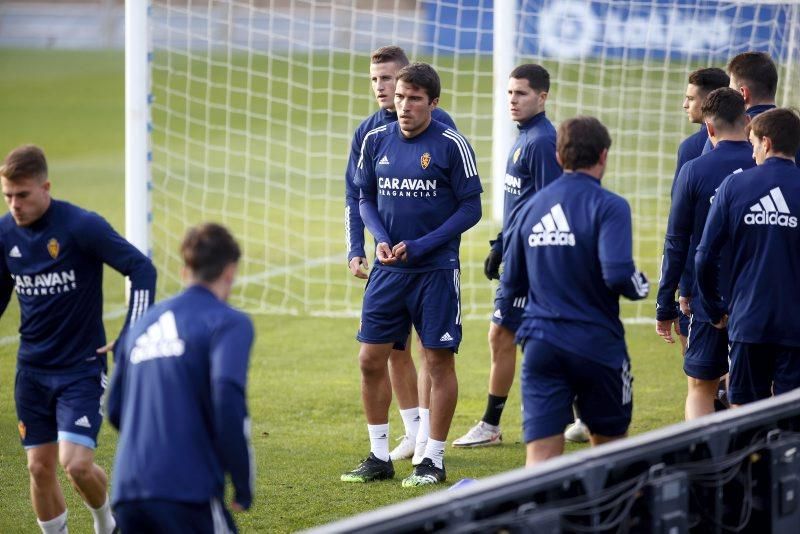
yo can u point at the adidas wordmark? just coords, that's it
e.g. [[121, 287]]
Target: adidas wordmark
[[771, 209], [552, 230]]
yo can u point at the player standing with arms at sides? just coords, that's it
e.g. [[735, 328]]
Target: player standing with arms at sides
[[52, 255], [531, 166], [569, 249], [756, 211], [384, 66], [420, 191], [706, 359], [178, 399], [701, 82]]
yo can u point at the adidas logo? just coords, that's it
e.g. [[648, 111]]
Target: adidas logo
[[159, 341], [15, 253], [771, 209], [552, 230], [498, 314], [446, 337], [384, 161], [83, 422]]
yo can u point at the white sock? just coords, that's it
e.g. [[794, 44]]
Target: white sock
[[411, 421], [435, 451], [57, 525], [424, 425], [379, 441], [104, 522]]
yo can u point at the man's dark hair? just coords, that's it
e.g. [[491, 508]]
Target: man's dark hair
[[537, 76], [26, 161], [724, 107], [207, 249], [387, 54], [421, 76], [580, 141], [709, 79], [757, 71], [782, 126]]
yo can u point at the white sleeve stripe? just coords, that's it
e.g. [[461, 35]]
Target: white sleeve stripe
[[463, 142], [364, 142], [347, 227], [135, 307], [250, 456], [470, 168], [642, 288]]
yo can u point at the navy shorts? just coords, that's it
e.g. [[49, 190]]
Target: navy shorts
[[759, 370], [508, 311], [552, 378], [59, 407], [706, 351], [683, 324], [431, 301], [168, 517]]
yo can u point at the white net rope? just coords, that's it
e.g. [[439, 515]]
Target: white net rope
[[255, 104]]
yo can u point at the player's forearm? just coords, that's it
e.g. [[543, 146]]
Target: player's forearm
[[233, 438], [354, 228], [623, 278], [368, 209], [672, 269], [707, 272], [465, 217]]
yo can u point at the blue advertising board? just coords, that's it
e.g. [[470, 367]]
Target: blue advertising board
[[656, 29]]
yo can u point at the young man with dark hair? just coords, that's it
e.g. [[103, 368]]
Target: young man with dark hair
[[385, 62], [701, 82], [420, 191], [53, 255], [756, 212], [531, 166], [570, 250], [184, 366], [706, 358]]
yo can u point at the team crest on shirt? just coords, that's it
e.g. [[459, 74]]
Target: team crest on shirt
[[425, 160], [517, 152], [53, 247], [22, 430]]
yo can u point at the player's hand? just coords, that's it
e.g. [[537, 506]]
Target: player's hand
[[359, 266], [108, 347], [236, 507], [384, 254], [491, 267], [686, 305], [400, 251], [664, 329], [723, 323]]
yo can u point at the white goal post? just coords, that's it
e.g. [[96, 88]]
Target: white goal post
[[242, 112]]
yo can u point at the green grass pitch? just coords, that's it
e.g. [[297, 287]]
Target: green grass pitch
[[308, 426]]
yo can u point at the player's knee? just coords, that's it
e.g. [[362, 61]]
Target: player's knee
[[370, 365], [78, 468], [41, 470], [501, 339]]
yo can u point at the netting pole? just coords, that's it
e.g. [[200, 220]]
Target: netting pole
[[137, 124], [503, 56]]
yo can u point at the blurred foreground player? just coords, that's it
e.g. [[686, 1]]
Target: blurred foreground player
[[178, 399], [52, 255], [756, 213], [570, 249]]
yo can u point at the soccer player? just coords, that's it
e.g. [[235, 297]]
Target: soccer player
[[756, 213], [52, 256], [420, 191], [385, 63], [755, 76], [178, 399], [706, 359], [531, 165], [701, 82], [569, 249]]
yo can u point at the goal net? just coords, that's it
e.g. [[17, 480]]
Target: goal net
[[254, 104]]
